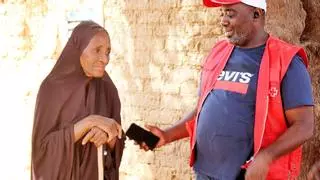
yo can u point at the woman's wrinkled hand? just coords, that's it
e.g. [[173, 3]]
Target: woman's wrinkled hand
[[108, 125], [96, 136]]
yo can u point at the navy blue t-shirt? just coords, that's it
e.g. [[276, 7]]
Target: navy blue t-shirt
[[225, 125]]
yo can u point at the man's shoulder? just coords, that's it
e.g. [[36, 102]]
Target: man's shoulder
[[286, 48], [281, 43]]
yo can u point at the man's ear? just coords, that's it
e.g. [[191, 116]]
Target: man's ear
[[257, 13]]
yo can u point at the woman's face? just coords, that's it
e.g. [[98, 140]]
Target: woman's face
[[95, 56]]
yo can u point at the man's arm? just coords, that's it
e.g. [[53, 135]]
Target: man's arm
[[300, 129], [301, 125], [175, 132], [179, 130], [298, 104]]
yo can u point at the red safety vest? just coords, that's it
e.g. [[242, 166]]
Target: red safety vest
[[270, 121]]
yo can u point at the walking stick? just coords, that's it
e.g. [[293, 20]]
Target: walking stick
[[100, 162]]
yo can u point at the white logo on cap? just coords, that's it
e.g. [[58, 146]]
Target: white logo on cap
[[256, 3]]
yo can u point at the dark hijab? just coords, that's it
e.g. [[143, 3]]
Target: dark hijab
[[65, 97]]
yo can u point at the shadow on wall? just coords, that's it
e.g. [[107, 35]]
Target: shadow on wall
[[298, 22], [157, 51], [311, 41]]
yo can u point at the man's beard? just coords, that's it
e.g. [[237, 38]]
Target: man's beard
[[239, 39]]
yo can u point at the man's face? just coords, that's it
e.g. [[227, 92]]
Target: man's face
[[237, 21], [95, 56]]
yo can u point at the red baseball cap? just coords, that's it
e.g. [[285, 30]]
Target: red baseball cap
[[255, 3], [217, 3]]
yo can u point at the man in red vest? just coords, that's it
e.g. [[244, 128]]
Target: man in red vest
[[255, 106]]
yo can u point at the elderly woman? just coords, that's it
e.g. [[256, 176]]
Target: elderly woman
[[78, 110]]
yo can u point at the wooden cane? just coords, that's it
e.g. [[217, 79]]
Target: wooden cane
[[100, 162]]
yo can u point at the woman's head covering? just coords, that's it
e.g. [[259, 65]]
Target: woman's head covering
[[65, 97], [68, 64]]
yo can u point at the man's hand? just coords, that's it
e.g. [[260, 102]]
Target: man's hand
[[173, 133], [158, 132], [314, 173], [259, 167]]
